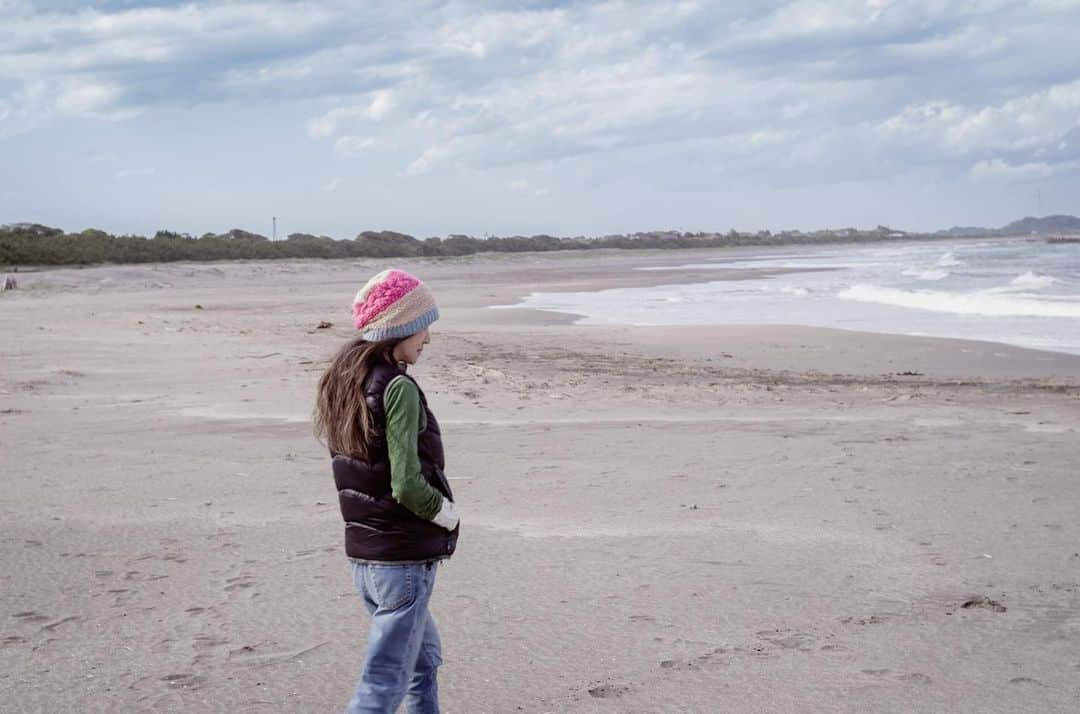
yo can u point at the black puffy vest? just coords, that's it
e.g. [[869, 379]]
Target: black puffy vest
[[376, 526]]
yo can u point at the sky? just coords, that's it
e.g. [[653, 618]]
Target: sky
[[567, 118]]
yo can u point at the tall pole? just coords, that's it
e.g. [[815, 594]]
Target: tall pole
[[275, 227]]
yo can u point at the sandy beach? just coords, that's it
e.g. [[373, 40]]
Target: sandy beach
[[692, 519]]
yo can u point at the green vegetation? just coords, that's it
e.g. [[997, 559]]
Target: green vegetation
[[34, 244]]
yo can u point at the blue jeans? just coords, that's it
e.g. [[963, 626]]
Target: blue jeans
[[403, 650]]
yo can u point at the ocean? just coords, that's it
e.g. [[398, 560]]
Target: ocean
[[1019, 291]]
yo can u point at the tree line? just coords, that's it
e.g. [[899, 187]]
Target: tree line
[[35, 244]]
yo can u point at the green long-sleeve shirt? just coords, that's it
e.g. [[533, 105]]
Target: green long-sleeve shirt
[[405, 419]]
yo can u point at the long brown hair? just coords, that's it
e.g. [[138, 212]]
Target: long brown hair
[[342, 419]]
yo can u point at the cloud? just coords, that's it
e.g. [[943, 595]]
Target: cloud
[[382, 102], [998, 170], [331, 185], [673, 93], [431, 157], [24, 108], [353, 145], [95, 100], [327, 124], [121, 58], [1028, 122], [377, 107]]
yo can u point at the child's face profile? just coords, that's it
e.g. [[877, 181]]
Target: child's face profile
[[410, 349]]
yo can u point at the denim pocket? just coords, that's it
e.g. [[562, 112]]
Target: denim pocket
[[391, 586]]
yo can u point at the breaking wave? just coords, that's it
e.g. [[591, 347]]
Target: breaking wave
[[1032, 281], [949, 260], [931, 274], [794, 290], [973, 303]]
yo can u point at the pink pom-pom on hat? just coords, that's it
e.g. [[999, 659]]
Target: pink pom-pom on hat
[[393, 305]]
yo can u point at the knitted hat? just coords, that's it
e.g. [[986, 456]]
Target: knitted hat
[[393, 305]]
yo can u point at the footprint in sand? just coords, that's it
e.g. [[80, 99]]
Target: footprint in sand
[[788, 640], [240, 582], [695, 662], [608, 691], [208, 641], [63, 620], [1026, 680], [183, 681], [121, 596], [984, 602], [876, 672], [30, 616], [915, 678], [140, 576]]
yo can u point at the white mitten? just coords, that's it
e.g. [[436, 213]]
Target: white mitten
[[447, 517]]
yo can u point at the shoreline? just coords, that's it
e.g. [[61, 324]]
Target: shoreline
[[508, 280], [692, 276], [1068, 360]]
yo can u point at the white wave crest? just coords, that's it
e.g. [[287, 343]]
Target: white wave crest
[[931, 274], [949, 260], [794, 290], [1032, 281], [975, 303]]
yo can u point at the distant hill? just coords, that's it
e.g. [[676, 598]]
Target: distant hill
[[1047, 225], [960, 231]]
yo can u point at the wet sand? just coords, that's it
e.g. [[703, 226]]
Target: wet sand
[[707, 519]]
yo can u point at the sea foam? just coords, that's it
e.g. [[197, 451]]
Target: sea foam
[[931, 274], [972, 303], [1032, 281], [949, 260]]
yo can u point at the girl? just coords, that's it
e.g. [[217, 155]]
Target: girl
[[399, 512]]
